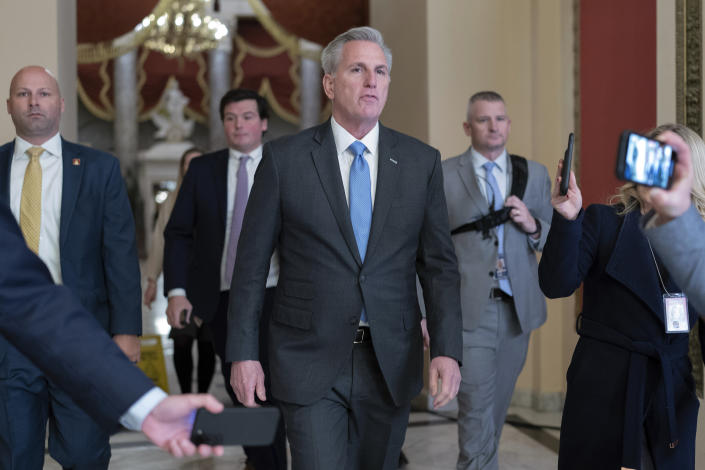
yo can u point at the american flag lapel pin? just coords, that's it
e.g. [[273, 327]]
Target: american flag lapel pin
[[76, 162]]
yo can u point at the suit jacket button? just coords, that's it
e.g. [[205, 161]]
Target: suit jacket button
[[362, 279], [491, 273], [496, 243]]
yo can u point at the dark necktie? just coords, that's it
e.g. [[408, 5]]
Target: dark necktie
[[241, 194]]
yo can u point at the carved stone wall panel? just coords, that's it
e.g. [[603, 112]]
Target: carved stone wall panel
[[689, 111]]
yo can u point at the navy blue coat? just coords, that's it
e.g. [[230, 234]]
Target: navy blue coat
[[625, 369], [96, 236], [47, 324], [194, 237]]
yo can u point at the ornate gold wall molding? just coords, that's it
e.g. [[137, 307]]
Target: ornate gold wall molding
[[689, 63], [689, 110]]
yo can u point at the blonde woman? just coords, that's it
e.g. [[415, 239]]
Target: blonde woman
[[631, 398]]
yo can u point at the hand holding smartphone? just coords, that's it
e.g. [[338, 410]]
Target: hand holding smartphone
[[567, 163], [645, 161], [235, 426]]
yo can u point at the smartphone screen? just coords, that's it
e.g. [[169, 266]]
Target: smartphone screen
[[645, 161]]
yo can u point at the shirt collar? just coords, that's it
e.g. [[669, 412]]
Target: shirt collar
[[478, 160], [52, 147], [256, 154], [343, 138]]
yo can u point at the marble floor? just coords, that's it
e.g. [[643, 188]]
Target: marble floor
[[529, 440]]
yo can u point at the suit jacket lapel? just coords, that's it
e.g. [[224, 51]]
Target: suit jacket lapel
[[629, 265], [6, 153], [467, 174], [387, 175], [326, 162], [220, 183], [73, 168]]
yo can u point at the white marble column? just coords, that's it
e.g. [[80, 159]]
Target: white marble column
[[310, 75], [125, 102], [219, 82]]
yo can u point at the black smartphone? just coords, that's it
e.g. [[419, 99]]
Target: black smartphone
[[182, 317], [235, 426], [567, 163], [645, 161]]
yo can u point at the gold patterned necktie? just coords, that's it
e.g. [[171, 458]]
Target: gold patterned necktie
[[31, 202]]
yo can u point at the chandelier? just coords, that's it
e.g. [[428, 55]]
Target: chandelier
[[183, 29]]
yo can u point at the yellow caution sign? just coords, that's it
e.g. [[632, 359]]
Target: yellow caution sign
[[152, 361]]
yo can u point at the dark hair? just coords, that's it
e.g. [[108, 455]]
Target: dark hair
[[183, 159], [241, 94]]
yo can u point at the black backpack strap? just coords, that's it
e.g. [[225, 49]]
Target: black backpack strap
[[520, 176], [485, 223]]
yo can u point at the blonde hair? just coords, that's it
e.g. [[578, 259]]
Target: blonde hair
[[627, 195]]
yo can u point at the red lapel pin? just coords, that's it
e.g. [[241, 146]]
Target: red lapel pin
[[76, 161]]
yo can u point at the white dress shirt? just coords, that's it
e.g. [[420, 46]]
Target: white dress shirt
[[502, 176], [499, 172], [233, 165], [135, 415], [52, 184], [343, 139]]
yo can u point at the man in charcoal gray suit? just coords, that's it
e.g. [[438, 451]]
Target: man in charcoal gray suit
[[356, 210]]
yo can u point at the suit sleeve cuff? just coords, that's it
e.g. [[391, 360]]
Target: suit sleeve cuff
[[135, 415]]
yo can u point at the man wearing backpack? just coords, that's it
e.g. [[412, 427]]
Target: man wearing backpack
[[499, 206]]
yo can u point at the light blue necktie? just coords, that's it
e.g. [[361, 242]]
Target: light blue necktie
[[360, 201], [497, 202]]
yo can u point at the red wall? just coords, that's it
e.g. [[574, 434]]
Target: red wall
[[617, 85]]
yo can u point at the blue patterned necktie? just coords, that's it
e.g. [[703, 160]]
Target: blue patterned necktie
[[497, 201], [360, 201]]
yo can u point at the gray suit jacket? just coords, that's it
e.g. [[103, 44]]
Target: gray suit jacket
[[298, 205], [681, 246], [477, 256]]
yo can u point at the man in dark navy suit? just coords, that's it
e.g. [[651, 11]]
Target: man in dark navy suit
[[71, 204], [46, 322], [202, 234]]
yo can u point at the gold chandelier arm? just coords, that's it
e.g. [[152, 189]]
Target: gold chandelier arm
[[88, 53]]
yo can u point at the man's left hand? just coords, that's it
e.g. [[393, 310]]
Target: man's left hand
[[446, 370], [520, 214], [129, 345], [169, 424]]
